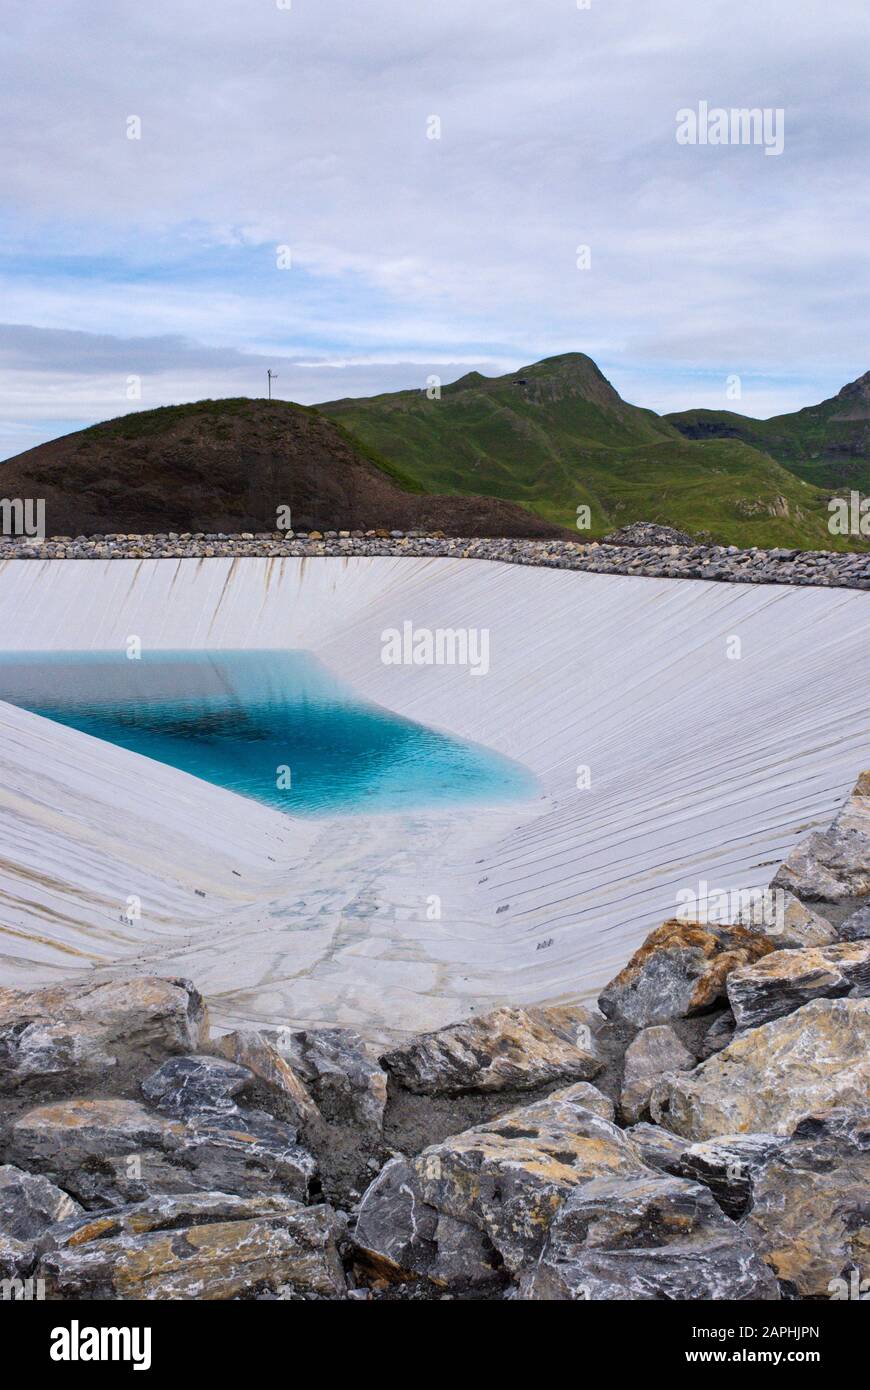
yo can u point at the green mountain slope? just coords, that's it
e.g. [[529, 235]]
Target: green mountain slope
[[826, 444], [556, 435]]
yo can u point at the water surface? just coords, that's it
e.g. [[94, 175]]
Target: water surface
[[273, 725]]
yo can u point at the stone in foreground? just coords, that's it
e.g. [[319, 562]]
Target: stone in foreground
[[650, 1054], [784, 981], [646, 1237], [206, 1246], [811, 1061], [341, 1071], [680, 970], [517, 1048], [286, 1094], [810, 1214], [483, 1201], [857, 925], [794, 925], [29, 1204], [197, 1085], [833, 865], [55, 1039], [111, 1152]]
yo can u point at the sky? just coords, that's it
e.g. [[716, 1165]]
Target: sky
[[359, 194]]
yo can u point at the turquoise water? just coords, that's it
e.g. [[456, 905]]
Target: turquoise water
[[242, 719]]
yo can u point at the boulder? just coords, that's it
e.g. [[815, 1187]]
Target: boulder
[[650, 1236], [500, 1184], [515, 1048], [651, 1053], [56, 1039], [785, 980], [834, 864], [794, 925], [723, 1165], [285, 1092], [197, 1086], [856, 926], [197, 1246], [680, 970], [29, 1204], [341, 1072], [810, 1061], [110, 1152], [657, 1147], [727, 1166], [810, 1214]]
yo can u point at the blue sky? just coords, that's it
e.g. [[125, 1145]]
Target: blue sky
[[307, 127]]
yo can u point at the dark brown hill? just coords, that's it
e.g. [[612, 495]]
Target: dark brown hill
[[228, 465]]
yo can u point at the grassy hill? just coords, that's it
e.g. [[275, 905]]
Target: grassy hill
[[557, 435], [229, 465], [826, 444]]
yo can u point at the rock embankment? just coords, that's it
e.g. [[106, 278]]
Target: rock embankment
[[704, 1134], [823, 568]]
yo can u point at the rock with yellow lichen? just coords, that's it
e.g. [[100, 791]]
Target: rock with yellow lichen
[[107, 1152], [785, 980], [57, 1039], [494, 1188], [833, 865], [651, 1236], [813, 1060], [516, 1048], [29, 1204], [810, 1213], [679, 971], [197, 1246]]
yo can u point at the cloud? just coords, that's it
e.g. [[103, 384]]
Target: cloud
[[307, 127]]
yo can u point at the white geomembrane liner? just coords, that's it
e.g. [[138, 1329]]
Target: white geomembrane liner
[[703, 768]]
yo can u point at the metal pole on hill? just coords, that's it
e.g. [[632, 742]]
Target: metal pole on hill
[[270, 374]]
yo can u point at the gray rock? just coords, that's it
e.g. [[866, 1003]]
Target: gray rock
[[810, 1061], [284, 1093], [29, 1205], [727, 1166], [785, 980], [340, 1070], [505, 1179], [835, 864], [810, 1214], [650, 1054], [679, 971], [197, 1246], [56, 1039], [111, 1152], [658, 1148], [793, 924], [718, 1035], [516, 1048], [197, 1085], [856, 926], [646, 1237]]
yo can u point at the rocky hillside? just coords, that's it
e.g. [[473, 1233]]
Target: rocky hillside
[[227, 466], [556, 435], [827, 444], [703, 1134]]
